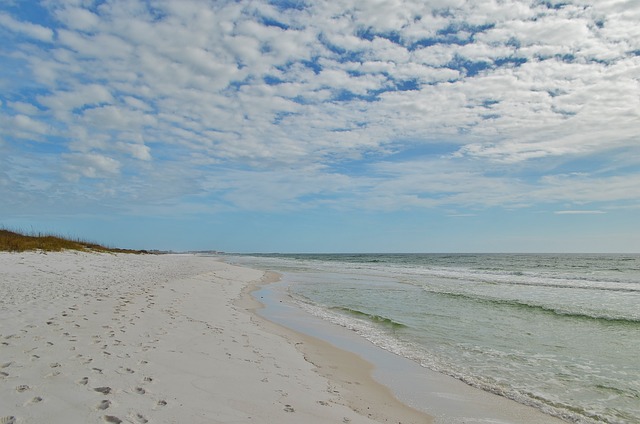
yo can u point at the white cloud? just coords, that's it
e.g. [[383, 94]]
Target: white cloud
[[245, 85], [91, 165], [37, 32], [64, 102], [116, 118], [25, 123], [583, 189], [79, 18], [24, 127], [24, 108], [136, 150], [579, 212], [103, 46]]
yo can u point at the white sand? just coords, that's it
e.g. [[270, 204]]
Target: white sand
[[88, 337]]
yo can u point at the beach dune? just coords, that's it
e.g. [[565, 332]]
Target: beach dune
[[88, 337]]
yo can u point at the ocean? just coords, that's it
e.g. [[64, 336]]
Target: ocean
[[559, 332]]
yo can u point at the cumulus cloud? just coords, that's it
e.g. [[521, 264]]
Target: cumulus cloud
[[272, 93], [63, 102], [136, 150], [33, 31], [91, 165]]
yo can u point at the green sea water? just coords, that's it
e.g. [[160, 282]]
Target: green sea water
[[557, 332]]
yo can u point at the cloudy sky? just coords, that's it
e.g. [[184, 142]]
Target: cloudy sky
[[332, 126]]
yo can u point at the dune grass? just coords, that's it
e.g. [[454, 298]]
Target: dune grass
[[13, 241]]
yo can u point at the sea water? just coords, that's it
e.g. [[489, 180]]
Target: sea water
[[557, 332]]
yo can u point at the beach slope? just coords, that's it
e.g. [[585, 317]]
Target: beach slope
[[94, 337]]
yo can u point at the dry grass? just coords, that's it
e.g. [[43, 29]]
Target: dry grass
[[13, 241]]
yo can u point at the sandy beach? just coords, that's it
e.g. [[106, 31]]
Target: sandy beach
[[87, 337]]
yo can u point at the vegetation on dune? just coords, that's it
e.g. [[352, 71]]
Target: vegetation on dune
[[13, 241]]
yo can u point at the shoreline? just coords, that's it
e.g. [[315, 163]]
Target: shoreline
[[446, 399], [89, 337], [345, 370]]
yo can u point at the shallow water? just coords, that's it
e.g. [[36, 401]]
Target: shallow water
[[557, 332]]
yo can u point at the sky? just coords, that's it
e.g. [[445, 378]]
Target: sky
[[323, 126]]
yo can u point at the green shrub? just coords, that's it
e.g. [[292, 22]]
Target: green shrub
[[13, 241]]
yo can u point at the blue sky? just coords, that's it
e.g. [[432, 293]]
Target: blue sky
[[323, 126]]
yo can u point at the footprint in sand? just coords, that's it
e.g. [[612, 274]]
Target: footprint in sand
[[140, 418], [103, 390], [22, 388], [83, 381], [34, 400], [140, 390], [8, 420], [112, 419], [103, 405], [123, 370]]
